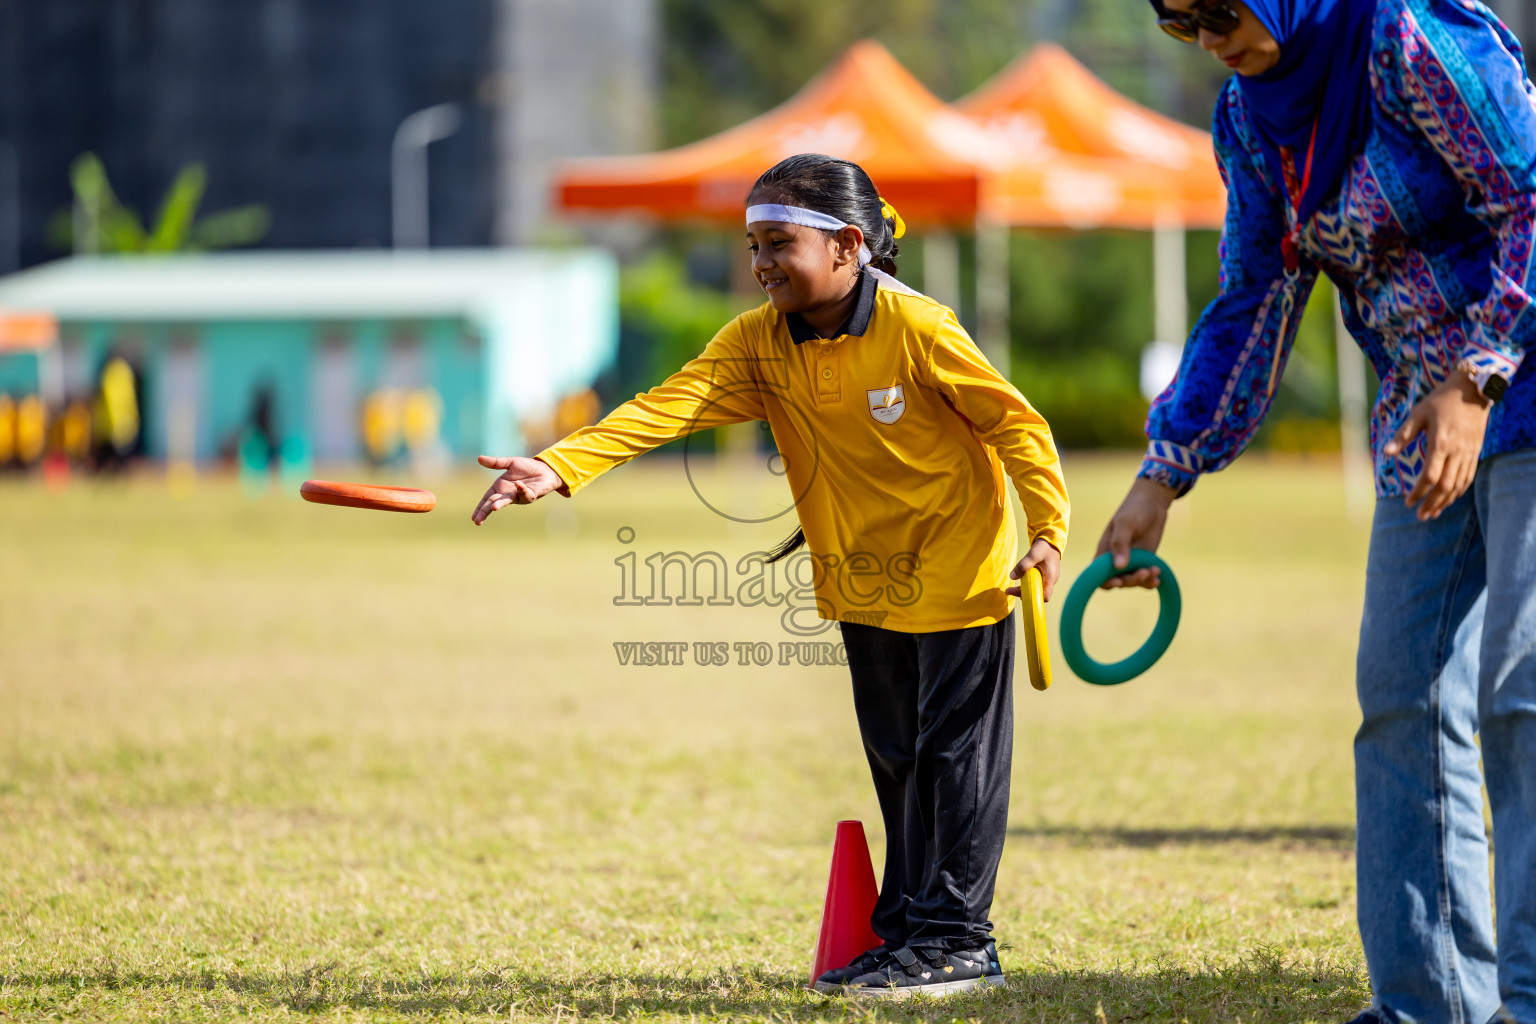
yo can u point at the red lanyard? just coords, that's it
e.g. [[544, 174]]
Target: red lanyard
[[1290, 245]]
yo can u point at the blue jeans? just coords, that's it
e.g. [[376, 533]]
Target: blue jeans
[[1447, 657]]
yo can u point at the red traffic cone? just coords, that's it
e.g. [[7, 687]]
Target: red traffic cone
[[851, 894]]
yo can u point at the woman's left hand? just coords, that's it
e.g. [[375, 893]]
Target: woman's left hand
[[1041, 556], [1453, 420]]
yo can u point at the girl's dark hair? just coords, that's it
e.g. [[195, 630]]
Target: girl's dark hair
[[837, 188]]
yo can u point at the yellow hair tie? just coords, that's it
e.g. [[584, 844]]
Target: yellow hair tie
[[889, 213]]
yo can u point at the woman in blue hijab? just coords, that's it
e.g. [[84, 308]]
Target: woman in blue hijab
[[1390, 145]]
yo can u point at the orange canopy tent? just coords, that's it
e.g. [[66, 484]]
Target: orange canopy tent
[[986, 166], [1069, 190], [929, 161], [1085, 156]]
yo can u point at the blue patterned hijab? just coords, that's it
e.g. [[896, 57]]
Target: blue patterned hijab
[[1323, 78]]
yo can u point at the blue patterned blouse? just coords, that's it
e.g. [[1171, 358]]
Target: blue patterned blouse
[[1429, 240]]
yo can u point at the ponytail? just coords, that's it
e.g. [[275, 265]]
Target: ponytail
[[794, 542]]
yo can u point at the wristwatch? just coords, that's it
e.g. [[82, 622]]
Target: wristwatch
[[1490, 383]]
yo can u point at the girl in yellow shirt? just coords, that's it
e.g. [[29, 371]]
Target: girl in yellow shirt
[[897, 438]]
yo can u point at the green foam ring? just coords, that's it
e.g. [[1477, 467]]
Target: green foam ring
[[1095, 576]]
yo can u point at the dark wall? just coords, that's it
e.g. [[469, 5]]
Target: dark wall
[[289, 103], [1519, 15]]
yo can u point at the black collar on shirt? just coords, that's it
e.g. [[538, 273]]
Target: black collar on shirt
[[856, 324]]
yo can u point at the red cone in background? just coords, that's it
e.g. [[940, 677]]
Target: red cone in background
[[851, 894]]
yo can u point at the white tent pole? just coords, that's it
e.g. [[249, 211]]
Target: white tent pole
[[410, 209], [941, 268], [1170, 292], [992, 292], [50, 375], [1354, 438]]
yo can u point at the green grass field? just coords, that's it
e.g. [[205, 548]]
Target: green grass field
[[267, 759]]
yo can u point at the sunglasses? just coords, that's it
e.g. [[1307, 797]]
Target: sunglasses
[[1218, 18]]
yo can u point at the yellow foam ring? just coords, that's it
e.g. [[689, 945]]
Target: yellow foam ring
[[76, 431], [889, 213], [7, 429], [31, 429], [120, 404], [1037, 640], [381, 423], [423, 419]]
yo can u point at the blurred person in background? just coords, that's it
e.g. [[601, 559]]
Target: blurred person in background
[[115, 415], [252, 446], [1390, 144], [7, 430]]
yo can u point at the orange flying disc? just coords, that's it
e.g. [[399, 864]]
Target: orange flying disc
[[384, 499]]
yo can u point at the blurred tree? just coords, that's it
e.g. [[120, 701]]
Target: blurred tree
[[727, 60], [666, 321], [99, 223], [1082, 309]]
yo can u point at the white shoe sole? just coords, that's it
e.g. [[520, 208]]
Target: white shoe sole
[[940, 988]]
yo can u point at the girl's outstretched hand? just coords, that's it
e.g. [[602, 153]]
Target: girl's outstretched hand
[[524, 482], [1041, 556]]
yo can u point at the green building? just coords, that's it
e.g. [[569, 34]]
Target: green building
[[324, 341]]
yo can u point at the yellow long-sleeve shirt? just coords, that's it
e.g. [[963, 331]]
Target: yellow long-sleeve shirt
[[895, 435]]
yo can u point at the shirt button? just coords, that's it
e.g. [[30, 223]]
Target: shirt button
[[826, 374]]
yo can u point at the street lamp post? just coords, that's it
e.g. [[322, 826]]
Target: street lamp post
[[408, 172], [10, 209]]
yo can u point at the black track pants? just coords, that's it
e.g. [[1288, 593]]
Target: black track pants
[[936, 714]]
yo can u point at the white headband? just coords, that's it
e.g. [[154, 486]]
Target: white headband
[[805, 218]]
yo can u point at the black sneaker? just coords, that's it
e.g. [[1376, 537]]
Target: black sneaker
[[870, 960], [934, 972], [1378, 1015]]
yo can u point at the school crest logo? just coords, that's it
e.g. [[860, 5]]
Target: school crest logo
[[887, 404]]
